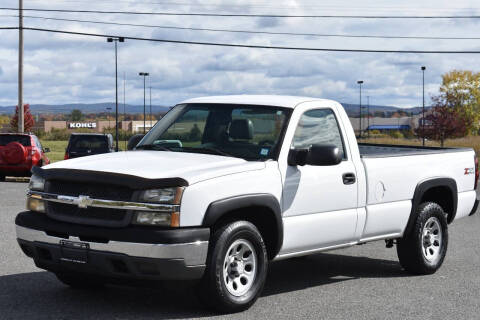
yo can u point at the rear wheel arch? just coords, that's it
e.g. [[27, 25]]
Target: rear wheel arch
[[262, 209], [442, 191]]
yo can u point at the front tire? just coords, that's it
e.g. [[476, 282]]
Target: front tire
[[423, 250], [237, 266]]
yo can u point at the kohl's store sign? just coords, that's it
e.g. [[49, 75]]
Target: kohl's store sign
[[77, 125]]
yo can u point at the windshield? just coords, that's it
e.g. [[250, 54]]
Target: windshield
[[80, 143], [22, 139], [243, 131]]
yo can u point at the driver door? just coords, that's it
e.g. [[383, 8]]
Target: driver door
[[319, 202]]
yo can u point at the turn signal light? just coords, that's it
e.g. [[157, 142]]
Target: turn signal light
[[34, 204]]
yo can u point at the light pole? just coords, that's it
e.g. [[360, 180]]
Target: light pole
[[144, 75], [124, 113], [368, 115], [21, 110], [150, 107], [423, 105], [360, 82], [121, 39]]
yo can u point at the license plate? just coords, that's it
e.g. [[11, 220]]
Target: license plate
[[74, 252]]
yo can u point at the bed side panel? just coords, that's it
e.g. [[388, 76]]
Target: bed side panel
[[395, 178]]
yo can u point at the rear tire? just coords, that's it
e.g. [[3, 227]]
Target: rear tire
[[2, 178], [423, 250], [237, 266], [80, 281]]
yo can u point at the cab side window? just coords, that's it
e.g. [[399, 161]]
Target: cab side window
[[318, 126]]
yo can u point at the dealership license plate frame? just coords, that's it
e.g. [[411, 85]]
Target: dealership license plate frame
[[74, 251]]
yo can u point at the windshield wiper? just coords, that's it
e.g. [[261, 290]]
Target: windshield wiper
[[206, 149], [210, 150], [152, 147]]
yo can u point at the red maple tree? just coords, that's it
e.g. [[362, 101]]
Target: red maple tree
[[29, 122], [443, 122]]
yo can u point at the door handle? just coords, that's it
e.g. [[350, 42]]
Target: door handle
[[349, 178]]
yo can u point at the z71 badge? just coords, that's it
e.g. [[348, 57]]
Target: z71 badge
[[469, 171]]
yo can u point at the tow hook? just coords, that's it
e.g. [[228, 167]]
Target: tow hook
[[389, 243]]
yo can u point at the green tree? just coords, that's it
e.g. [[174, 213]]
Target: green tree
[[460, 90], [4, 119], [76, 115]]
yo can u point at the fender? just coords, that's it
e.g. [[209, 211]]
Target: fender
[[219, 208], [422, 188]]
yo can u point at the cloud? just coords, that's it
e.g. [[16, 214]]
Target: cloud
[[265, 22], [72, 69]]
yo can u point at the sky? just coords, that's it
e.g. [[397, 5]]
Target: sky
[[62, 69]]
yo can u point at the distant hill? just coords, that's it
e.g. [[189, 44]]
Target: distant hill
[[352, 109], [85, 107]]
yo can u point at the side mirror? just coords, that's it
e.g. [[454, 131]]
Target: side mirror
[[324, 155], [316, 155], [134, 140], [297, 157], [45, 150]]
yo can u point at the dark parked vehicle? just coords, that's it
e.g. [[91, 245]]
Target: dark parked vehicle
[[87, 144], [19, 153]]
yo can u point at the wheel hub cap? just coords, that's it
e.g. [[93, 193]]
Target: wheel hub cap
[[432, 240], [240, 267]]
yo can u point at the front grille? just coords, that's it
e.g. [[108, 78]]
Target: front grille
[[97, 190], [88, 213], [91, 215]]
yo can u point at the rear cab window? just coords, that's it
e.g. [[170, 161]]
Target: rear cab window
[[83, 143], [22, 139]]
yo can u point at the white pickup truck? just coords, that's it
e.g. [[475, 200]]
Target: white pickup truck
[[222, 186]]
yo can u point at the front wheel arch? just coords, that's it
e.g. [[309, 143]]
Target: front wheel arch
[[263, 210]]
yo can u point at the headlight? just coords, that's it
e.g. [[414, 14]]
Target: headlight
[[37, 183], [164, 195], [170, 196]]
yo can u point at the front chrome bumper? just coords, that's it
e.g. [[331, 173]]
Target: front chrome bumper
[[193, 254]]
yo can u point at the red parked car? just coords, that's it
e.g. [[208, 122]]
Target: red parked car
[[19, 153]]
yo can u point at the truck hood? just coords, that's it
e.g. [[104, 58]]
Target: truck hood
[[192, 167]]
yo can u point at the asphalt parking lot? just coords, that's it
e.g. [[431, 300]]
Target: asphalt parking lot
[[362, 282]]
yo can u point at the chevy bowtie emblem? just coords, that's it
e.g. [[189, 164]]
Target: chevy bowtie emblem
[[84, 201]]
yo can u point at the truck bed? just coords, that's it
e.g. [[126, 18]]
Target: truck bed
[[394, 171], [370, 150]]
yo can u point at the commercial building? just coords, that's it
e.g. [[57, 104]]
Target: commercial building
[[387, 124], [97, 126]]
